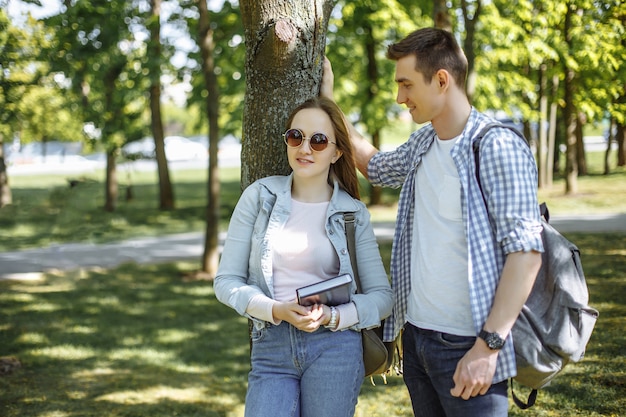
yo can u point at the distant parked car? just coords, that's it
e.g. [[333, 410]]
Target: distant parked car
[[177, 148], [139, 149]]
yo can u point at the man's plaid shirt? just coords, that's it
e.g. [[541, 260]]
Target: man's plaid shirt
[[508, 174]]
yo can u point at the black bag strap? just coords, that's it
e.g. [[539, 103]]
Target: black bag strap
[[532, 397], [349, 220]]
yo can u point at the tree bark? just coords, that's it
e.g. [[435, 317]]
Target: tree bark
[[581, 156], [111, 183], [285, 43], [552, 151], [620, 137], [210, 257], [609, 142], [569, 114], [6, 197], [166, 193], [542, 148], [441, 15], [468, 43], [372, 76]]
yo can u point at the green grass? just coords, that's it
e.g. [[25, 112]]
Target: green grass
[[140, 340], [46, 210]]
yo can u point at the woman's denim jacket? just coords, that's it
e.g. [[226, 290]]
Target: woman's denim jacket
[[262, 210]]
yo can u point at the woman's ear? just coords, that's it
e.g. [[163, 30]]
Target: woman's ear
[[338, 155]]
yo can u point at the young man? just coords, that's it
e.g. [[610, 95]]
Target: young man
[[461, 271]]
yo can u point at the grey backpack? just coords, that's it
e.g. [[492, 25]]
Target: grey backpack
[[556, 322]]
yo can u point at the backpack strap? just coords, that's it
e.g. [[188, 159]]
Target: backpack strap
[[476, 146], [532, 397]]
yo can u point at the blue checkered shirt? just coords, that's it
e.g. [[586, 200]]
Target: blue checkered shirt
[[508, 175]]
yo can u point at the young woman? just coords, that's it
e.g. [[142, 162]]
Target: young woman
[[288, 232]]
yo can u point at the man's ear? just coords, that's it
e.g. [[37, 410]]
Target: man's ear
[[443, 79]]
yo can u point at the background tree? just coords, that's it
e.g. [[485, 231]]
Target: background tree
[[471, 12], [523, 61], [46, 117], [229, 58], [520, 52], [517, 67], [285, 42], [94, 48], [210, 257], [218, 36], [11, 88], [154, 58], [358, 37], [20, 71]]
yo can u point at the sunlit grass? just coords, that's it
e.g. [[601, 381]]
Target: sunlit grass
[[157, 346], [47, 211], [140, 341]]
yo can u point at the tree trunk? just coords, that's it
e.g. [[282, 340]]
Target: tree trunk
[[581, 156], [285, 43], [620, 137], [166, 193], [470, 20], [542, 148], [609, 142], [552, 151], [210, 257], [6, 197], [372, 76], [376, 193], [441, 15], [111, 183], [570, 114]]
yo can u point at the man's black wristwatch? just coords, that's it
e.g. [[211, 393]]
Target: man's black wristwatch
[[494, 340]]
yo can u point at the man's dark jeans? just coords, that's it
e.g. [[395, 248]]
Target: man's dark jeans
[[430, 360]]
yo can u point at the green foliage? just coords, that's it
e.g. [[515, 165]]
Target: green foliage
[[519, 42], [98, 51], [229, 57], [47, 115], [516, 43], [358, 40], [19, 70]]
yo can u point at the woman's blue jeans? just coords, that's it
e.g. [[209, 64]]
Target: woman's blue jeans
[[300, 374], [430, 359]]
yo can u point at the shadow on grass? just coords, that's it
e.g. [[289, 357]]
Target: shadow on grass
[[134, 342], [139, 341]]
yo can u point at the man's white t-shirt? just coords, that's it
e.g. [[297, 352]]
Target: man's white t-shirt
[[439, 298]]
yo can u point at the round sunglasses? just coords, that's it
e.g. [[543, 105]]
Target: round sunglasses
[[318, 141]]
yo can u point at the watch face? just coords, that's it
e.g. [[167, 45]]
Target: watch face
[[493, 340]]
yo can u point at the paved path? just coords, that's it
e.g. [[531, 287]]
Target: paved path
[[31, 263]]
